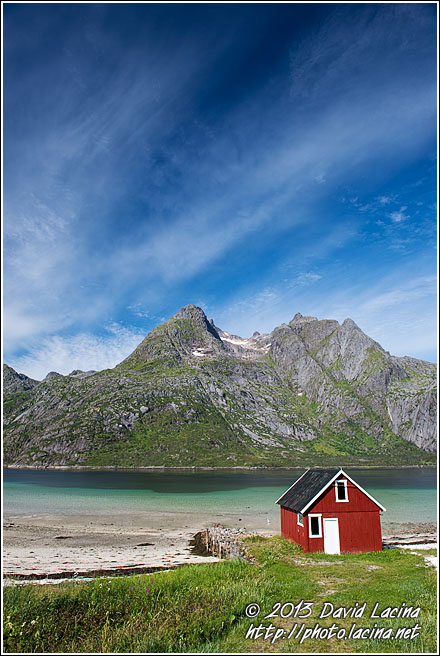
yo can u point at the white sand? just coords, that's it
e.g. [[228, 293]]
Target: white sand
[[66, 544], [54, 544]]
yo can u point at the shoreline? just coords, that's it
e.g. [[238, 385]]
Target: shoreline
[[49, 542], [40, 547], [52, 544]]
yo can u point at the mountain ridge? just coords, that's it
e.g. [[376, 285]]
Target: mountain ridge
[[310, 391]]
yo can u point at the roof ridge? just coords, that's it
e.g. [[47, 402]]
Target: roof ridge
[[308, 487]]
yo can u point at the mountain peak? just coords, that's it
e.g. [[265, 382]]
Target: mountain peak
[[190, 312], [191, 394], [349, 323], [299, 318], [51, 375], [15, 382], [196, 314]]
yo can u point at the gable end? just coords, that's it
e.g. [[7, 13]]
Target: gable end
[[311, 485]]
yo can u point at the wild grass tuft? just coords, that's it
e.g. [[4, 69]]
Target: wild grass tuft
[[201, 608]]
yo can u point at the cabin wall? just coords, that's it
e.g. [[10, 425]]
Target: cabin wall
[[291, 530], [357, 500], [359, 522], [358, 532]]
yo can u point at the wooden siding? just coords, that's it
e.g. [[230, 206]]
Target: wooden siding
[[359, 522], [292, 530], [357, 501]]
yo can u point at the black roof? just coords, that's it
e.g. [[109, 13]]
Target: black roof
[[306, 488]]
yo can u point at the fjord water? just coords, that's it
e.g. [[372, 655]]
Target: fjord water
[[409, 495]]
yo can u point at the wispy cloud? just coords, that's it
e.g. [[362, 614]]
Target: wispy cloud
[[399, 312], [304, 279], [399, 215], [82, 351], [409, 292], [140, 178]]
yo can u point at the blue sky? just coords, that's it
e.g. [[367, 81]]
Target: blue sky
[[257, 160]]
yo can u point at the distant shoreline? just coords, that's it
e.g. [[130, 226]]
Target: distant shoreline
[[197, 468]]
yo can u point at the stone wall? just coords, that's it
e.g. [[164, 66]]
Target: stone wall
[[221, 542]]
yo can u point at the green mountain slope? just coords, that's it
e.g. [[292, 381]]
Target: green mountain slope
[[311, 392]]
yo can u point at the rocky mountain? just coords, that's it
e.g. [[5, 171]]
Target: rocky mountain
[[311, 392], [14, 382]]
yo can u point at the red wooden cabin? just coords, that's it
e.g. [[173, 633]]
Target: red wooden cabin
[[326, 510]]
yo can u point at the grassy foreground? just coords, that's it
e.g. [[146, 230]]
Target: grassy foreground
[[201, 608]]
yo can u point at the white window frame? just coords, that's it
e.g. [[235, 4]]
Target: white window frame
[[346, 491], [300, 519], [319, 516]]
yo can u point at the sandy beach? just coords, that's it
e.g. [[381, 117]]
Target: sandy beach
[[81, 545]]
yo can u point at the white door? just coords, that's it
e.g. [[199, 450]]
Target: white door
[[331, 535]]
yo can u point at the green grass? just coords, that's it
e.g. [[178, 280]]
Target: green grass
[[201, 608], [426, 552], [171, 436], [17, 402]]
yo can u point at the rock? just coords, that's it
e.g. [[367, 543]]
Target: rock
[[221, 542], [193, 394], [15, 382], [50, 376]]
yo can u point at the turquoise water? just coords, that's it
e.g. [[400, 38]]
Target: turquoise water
[[409, 495]]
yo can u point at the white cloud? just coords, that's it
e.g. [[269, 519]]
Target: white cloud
[[82, 351], [272, 174], [20, 326], [399, 216], [399, 314], [231, 183], [410, 292], [139, 311], [303, 279]]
